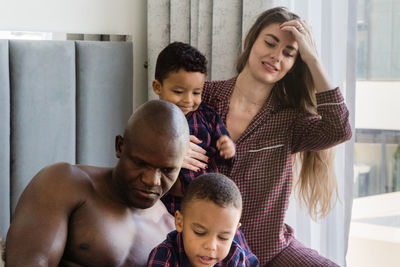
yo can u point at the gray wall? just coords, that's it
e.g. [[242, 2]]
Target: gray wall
[[4, 138], [59, 101]]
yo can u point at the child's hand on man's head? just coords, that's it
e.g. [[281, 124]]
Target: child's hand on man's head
[[226, 147]]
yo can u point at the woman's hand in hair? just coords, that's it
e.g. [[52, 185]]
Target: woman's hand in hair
[[308, 52], [303, 35], [196, 156]]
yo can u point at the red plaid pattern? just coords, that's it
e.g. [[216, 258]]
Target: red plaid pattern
[[262, 168], [206, 125], [295, 254], [171, 253]]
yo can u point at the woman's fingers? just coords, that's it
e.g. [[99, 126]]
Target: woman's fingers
[[196, 156], [193, 164], [194, 139], [302, 33]]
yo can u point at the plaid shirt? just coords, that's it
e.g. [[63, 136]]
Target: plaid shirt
[[170, 253], [263, 164], [205, 124]]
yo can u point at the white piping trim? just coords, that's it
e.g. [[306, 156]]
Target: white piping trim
[[265, 148], [330, 104]]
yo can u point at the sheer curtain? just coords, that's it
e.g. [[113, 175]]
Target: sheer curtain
[[217, 28]]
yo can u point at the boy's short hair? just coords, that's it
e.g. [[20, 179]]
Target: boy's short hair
[[214, 187], [176, 56]]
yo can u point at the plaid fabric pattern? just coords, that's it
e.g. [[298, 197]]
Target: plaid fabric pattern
[[296, 254], [170, 253], [205, 124], [263, 167]]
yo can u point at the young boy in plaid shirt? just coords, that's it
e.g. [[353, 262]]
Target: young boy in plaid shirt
[[179, 78], [205, 227]]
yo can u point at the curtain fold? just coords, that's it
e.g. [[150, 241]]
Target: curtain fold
[[218, 28]]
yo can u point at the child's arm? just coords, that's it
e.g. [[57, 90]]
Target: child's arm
[[223, 142], [226, 147]]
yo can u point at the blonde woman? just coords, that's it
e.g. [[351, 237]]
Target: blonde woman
[[281, 104]]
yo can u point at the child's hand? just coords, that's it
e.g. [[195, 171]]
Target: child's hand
[[226, 147]]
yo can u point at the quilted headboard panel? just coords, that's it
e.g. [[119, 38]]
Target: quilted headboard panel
[[59, 101]]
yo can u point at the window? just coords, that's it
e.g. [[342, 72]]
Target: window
[[377, 97], [375, 226], [377, 162], [25, 35]]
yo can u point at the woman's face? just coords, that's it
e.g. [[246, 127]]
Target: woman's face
[[273, 54]]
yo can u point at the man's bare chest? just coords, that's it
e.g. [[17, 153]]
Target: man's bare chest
[[101, 234]]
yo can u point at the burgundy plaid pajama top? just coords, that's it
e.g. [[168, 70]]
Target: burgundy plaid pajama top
[[262, 168]]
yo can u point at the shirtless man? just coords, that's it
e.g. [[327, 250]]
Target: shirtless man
[[74, 215]]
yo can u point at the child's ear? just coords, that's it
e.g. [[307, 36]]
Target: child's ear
[[119, 143], [156, 87], [239, 224], [178, 221]]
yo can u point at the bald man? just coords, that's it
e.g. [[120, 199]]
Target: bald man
[[74, 215]]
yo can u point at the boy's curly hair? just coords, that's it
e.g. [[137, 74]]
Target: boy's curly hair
[[214, 187], [176, 56]]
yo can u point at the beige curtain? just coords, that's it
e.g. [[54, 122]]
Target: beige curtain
[[217, 28]]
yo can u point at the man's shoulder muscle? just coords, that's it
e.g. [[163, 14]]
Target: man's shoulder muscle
[[60, 182], [38, 229]]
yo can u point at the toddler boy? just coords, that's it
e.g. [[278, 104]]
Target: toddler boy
[[205, 227], [179, 78]]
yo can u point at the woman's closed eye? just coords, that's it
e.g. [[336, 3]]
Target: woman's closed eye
[[288, 54], [269, 44]]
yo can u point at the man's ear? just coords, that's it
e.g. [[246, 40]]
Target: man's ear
[[156, 87], [119, 144], [178, 221]]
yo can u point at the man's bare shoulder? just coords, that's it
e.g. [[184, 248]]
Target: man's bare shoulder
[[62, 173], [40, 223], [61, 180]]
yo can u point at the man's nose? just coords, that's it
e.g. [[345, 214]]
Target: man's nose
[[152, 177]]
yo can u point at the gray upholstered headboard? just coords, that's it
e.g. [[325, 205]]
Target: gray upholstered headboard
[[59, 101]]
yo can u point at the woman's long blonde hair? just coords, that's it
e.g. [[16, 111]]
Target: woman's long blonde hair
[[316, 185]]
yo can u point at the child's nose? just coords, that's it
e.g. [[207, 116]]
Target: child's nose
[[188, 98], [210, 244]]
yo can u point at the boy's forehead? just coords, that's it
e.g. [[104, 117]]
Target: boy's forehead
[[180, 73], [208, 215], [206, 204]]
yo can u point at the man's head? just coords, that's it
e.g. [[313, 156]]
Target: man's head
[[150, 154], [180, 74], [209, 218]]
